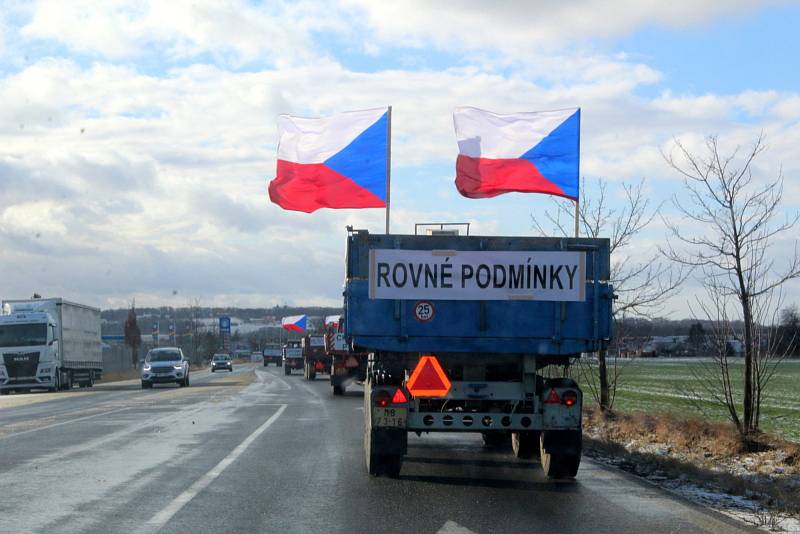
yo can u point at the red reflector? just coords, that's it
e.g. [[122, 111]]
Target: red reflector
[[569, 398], [553, 397], [319, 366], [399, 397], [382, 398], [428, 379]]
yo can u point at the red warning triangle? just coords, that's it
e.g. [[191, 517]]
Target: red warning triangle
[[428, 379], [553, 397]]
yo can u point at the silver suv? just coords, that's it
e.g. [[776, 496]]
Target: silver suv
[[166, 364]]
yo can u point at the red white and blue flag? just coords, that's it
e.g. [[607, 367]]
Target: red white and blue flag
[[332, 162], [535, 152], [294, 323]]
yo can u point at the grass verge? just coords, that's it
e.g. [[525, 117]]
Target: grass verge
[[666, 449]]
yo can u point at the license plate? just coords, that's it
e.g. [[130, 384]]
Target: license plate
[[391, 417]]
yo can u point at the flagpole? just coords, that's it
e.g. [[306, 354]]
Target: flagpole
[[388, 164], [577, 218]]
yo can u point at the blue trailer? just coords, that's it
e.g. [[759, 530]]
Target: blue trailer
[[475, 334]]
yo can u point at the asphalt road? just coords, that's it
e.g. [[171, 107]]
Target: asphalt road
[[263, 452]]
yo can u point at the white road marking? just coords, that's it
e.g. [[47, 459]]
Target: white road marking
[[451, 527], [63, 423], [162, 517]]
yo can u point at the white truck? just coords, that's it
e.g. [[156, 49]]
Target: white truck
[[48, 344]]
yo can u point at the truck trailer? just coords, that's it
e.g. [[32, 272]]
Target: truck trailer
[[315, 360], [272, 353], [346, 366], [292, 356], [475, 334], [49, 344]]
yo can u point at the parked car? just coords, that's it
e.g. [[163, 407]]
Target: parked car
[[167, 364], [220, 362]]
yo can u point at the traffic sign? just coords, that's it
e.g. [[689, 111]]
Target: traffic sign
[[428, 379], [424, 311]]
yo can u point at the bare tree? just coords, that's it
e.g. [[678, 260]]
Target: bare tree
[[641, 282], [727, 222], [133, 336]]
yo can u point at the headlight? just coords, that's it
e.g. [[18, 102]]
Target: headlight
[[178, 367], [146, 368], [45, 370]]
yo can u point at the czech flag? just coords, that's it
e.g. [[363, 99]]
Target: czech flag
[[294, 323], [525, 152], [332, 162]]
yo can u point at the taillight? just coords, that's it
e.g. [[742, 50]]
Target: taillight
[[569, 398], [382, 398]]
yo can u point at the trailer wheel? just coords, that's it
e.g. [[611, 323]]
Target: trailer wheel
[[339, 389], [558, 466], [312, 372], [287, 370], [525, 445]]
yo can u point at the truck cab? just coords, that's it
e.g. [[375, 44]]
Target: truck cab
[[29, 351]]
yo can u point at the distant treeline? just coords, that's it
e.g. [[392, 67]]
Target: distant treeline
[[114, 319]]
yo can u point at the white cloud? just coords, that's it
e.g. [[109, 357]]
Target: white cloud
[[275, 34], [516, 26]]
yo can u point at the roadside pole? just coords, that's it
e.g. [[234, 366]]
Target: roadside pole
[[388, 165], [577, 218]]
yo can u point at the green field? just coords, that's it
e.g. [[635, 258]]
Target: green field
[[653, 385]]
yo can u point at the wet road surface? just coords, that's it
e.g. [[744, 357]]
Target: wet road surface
[[257, 451]]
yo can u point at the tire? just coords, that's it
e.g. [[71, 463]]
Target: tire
[[339, 389], [57, 385], [279, 364], [287, 370], [186, 381], [495, 440], [525, 445], [67, 384], [146, 384], [312, 372], [559, 466], [4, 392]]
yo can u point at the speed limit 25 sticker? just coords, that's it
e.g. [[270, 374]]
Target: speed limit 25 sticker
[[424, 311]]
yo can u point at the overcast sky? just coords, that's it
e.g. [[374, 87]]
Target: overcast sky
[[137, 138]]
